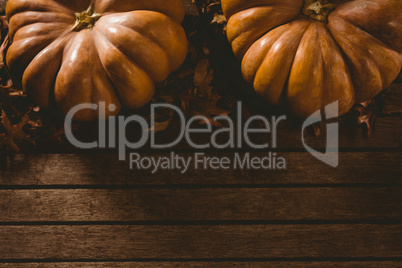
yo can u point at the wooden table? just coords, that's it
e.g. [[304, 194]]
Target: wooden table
[[89, 210]]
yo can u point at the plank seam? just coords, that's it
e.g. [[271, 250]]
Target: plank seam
[[207, 222], [199, 186], [210, 151], [301, 259]]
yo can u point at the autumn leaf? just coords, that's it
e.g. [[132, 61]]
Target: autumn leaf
[[203, 76], [13, 132], [162, 125], [219, 19], [209, 109], [2, 51], [315, 130], [367, 115], [191, 8]]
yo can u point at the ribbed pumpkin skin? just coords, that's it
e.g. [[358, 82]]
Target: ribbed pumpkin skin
[[305, 64], [133, 45]]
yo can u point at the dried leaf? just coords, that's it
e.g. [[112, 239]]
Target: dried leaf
[[2, 51], [187, 98], [18, 93], [13, 132], [367, 115], [315, 130], [219, 19], [58, 133], [163, 125], [191, 8], [160, 126], [210, 109], [203, 77]]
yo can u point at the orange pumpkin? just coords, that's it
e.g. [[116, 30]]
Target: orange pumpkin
[[68, 52], [307, 54]]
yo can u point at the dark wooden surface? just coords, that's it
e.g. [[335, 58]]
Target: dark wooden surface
[[253, 264], [89, 210]]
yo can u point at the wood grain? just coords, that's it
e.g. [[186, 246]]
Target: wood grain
[[275, 204], [90, 210], [105, 169], [187, 242], [392, 98], [208, 264]]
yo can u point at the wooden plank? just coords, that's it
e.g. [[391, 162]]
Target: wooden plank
[[105, 169], [278, 204], [209, 264], [188, 242], [393, 99]]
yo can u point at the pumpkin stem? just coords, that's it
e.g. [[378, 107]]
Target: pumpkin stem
[[318, 10], [86, 19]]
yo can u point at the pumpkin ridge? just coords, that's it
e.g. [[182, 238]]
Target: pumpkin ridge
[[28, 4], [241, 34], [344, 58], [270, 7], [370, 62], [94, 89], [98, 33], [157, 38], [33, 18], [124, 51], [76, 86], [373, 16], [286, 85], [295, 24], [246, 50], [20, 57], [144, 36], [345, 62], [250, 79], [136, 91], [292, 97], [327, 95], [249, 5], [18, 79], [102, 36], [323, 94], [74, 5], [35, 32], [174, 9], [363, 30], [37, 96]]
